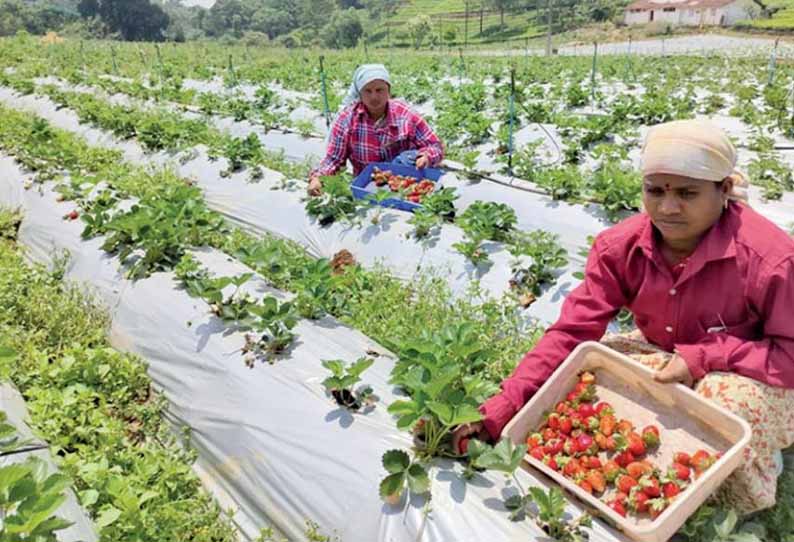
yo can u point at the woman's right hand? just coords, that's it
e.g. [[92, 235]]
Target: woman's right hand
[[467, 431], [315, 185]]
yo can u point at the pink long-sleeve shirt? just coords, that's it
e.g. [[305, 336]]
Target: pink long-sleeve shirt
[[355, 136], [730, 308]]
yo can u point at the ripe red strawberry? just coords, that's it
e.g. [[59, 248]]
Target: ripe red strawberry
[[463, 446], [621, 497], [548, 434], [636, 469], [414, 198], [670, 490], [535, 439], [639, 502], [611, 470], [572, 396], [678, 471], [607, 424], [586, 410], [681, 458], [591, 424], [618, 507], [624, 458], [650, 486], [601, 440], [650, 436], [554, 446], [550, 462], [566, 425], [586, 445], [538, 453], [604, 408], [624, 483], [553, 421], [562, 408], [597, 480], [71, 216], [636, 445], [576, 420], [625, 427]]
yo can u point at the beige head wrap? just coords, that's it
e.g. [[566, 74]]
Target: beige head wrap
[[696, 149]]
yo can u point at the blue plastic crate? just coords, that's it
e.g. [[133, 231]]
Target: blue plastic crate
[[363, 186]]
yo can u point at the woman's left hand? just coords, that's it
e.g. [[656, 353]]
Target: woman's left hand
[[676, 370], [422, 161]]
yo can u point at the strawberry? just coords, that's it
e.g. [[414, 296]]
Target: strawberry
[[584, 484], [572, 468], [650, 486], [621, 497], [611, 470], [624, 483], [71, 216], [550, 462], [657, 506], [636, 469], [592, 462], [591, 424], [603, 408], [624, 458], [601, 440], [701, 461], [414, 198], [554, 446], [625, 427], [607, 424], [678, 472], [463, 446], [636, 445], [562, 408], [610, 443], [569, 447], [586, 410], [535, 439], [650, 436], [553, 421], [572, 396], [681, 458], [618, 507], [548, 434], [587, 378], [577, 422], [538, 453], [586, 445], [597, 480], [639, 502], [566, 425], [670, 490]]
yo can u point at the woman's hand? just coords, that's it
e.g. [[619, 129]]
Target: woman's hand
[[315, 185], [463, 433], [422, 161], [676, 370]]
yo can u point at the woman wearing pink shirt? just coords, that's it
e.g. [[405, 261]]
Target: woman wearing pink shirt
[[710, 284]]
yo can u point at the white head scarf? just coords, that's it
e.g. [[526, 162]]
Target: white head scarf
[[696, 149], [365, 74]]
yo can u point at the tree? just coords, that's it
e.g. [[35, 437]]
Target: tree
[[419, 28], [135, 20], [502, 6], [344, 30], [88, 8], [272, 22]]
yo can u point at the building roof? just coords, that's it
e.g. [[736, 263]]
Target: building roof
[[686, 4]]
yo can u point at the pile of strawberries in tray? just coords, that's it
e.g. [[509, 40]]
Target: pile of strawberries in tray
[[606, 456], [413, 188]]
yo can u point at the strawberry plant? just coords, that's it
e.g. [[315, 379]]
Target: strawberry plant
[[771, 174], [335, 203], [437, 207], [488, 220], [546, 256], [240, 152], [342, 380], [617, 189], [403, 473]]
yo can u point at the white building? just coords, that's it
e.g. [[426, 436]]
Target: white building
[[688, 12]]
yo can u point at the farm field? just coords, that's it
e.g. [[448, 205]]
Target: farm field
[[225, 307]]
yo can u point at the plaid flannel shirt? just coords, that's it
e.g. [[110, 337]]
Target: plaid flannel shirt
[[355, 136]]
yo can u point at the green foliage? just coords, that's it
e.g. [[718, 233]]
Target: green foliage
[[336, 201], [403, 473]]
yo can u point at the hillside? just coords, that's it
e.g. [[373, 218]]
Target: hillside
[[450, 23]]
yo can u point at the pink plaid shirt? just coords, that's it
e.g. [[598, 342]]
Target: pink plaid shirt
[[729, 309], [357, 137]]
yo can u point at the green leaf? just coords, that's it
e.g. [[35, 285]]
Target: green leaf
[[443, 411], [395, 461], [107, 517], [392, 484], [89, 497], [418, 480], [466, 414], [725, 524], [11, 474]]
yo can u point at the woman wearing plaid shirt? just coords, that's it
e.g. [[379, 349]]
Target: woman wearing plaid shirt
[[373, 127]]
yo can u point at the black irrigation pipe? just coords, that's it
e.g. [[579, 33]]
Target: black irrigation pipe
[[25, 449]]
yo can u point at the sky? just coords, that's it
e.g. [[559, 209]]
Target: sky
[[202, 3]]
